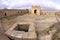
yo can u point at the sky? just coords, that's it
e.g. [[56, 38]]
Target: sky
[[27, 4]]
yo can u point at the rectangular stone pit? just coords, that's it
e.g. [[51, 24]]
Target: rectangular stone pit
[[22, 31], [22, 27]]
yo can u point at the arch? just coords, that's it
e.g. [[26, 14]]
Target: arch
[[5, 14], [35, 11]]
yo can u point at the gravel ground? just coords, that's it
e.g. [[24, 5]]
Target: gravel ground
[[2, 35]]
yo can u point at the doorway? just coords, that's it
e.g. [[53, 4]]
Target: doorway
[[35, 11], [5, 14]]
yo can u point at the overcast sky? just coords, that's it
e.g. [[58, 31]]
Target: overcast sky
[[28, 3]]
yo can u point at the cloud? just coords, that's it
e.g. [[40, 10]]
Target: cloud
[[15, 3], [51, 4], [28, 3]]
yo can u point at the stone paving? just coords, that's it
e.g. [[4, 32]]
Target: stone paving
[[40, 22], [2, 35]]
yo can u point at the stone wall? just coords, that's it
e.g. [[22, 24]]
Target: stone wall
[[36, 9], [12, 12], [51, 13], [40, 12], [57, 13], [1, 15], [21, 12]]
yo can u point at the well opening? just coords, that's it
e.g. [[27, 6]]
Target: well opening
[[22, 27]]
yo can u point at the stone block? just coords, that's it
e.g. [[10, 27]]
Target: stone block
[[25, 36], [45, 37], [32, 29], [32, 36], [18, 37]]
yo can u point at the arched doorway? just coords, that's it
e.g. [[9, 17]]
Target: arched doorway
[[5, 14], [35, 11]]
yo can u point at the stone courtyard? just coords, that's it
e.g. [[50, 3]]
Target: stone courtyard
[[32, 26], [40, 24]]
